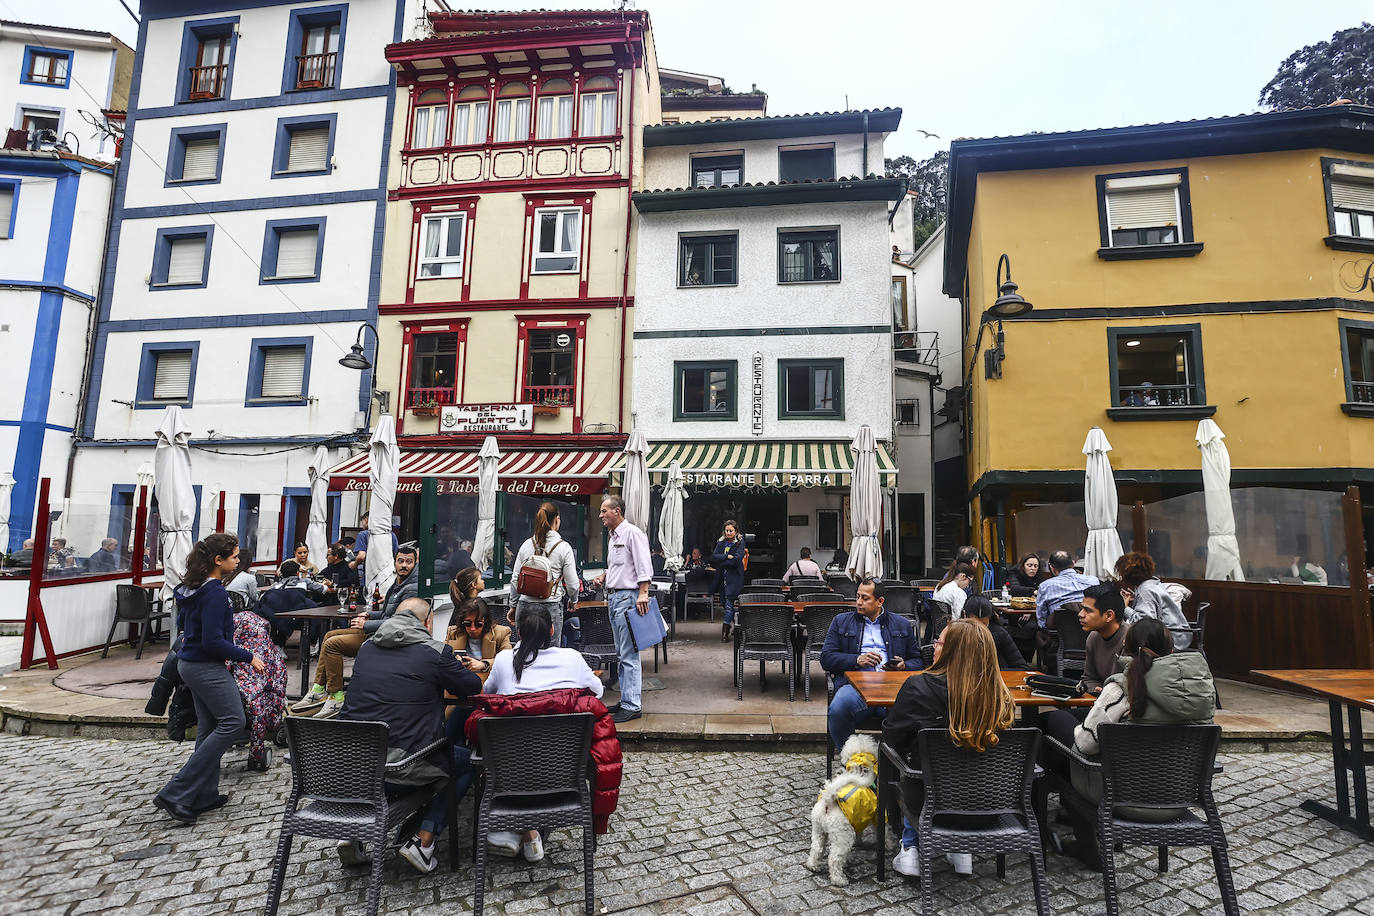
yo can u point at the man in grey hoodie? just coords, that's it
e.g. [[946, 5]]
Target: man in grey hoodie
[[399, 678]]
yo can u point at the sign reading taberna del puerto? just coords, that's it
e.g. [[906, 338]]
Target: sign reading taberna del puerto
[[486, 418]]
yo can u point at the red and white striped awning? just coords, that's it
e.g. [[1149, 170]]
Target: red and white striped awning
[[533, 472]]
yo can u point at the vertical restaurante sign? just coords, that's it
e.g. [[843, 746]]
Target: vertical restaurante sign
[[756, 409]]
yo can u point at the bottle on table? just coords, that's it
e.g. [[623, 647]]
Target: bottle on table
[[376, 600], [1006, 594]]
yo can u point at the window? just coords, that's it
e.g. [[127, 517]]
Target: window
[[166, 375], [717, 171], [558, 240], [908, 412], [196, 154], [806, 163], [555, 116], [513, 113], [211, 68], [707, 260], [1145, 215], [1352, 200], [1357, 343], [47, 67], [598, 108], [278, 372], [314, 48], [305, 146], [431, 120], [1157, 372], [433, 364], [704, 390], [9, 207], [899, 310], [207, 59], [441, 246], [810, 389], [809, 257], [315, 65], [827, 529], [293, 250], [181, 256], [470, 117], [549, 373], [40, 125]]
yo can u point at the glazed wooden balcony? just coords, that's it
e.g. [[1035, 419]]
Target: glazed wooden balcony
[[516, 160]]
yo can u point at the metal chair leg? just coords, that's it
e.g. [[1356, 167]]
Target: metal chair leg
[[110, 638], [278, 874]]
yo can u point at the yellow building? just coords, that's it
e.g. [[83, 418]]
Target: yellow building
[[1220, 268]]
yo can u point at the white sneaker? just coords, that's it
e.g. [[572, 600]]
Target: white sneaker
[[533, 850], [908, 862], [311, 701], [962, 862], [423, 862], [506, 842], [352, 854], [330, 709]]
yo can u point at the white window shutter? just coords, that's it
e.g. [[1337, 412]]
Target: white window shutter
[[309, 150], [186, 264], [172, 376], [1147, 208], [296, 250], [1348, 195], [202, 160], [283, 372], [6, 206]]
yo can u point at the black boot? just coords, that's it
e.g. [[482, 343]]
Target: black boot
[[725, 632]]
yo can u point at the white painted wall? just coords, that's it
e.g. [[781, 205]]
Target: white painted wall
[[670, 166], [92, 71], [937, 312]]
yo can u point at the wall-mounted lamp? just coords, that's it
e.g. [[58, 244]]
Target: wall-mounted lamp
[[1009, 304], [356, 359]]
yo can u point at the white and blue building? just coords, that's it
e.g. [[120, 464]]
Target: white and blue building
[[244, 251]]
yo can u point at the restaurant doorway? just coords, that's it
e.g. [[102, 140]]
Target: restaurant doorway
[[761, 516]]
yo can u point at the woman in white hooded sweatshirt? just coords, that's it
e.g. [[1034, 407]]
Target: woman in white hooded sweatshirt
[[548, 544]]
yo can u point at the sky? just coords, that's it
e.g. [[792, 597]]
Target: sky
[[977, 68]]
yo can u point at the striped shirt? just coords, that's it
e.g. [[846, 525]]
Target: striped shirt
[[1057, 591]]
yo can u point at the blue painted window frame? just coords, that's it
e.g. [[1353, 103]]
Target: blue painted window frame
[[307, 18], [147, 369], [191, 35], [253, 395], [176, 152], [285, 127], [272, 241], [13, 185], [162, 255], [31, 50]]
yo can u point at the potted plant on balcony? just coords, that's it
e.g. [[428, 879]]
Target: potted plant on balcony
[[425, 407]]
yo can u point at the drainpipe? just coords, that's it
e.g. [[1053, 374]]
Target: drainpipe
[[865, 173], [629, 219]]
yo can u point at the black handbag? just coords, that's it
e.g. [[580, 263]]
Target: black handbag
[[1049, 685]]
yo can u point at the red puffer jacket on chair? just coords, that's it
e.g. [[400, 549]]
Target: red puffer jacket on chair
[[605, 744]]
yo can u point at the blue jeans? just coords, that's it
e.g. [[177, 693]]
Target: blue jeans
[[220, 721], [555, 609], [728, 602], [847, 712], [621, 602]]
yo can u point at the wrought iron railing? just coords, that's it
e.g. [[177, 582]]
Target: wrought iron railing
[[208, 82], [315, 71], [548, 395], [917, 347], [1362, 392], [1158, 395]]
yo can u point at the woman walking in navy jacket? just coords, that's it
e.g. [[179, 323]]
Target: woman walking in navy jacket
[[728, 559], [206, 622]]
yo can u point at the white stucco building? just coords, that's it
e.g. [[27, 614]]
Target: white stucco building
[[762, 323], [244, 252]]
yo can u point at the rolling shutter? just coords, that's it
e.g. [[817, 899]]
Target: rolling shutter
[[172, 376], [1345, 194], [6, 207], [283, 372], [309, 150], [1143, 201], [186, 264], [202, 160], [296, 250]]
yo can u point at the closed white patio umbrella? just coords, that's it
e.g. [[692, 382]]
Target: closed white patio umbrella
[[317, 531], [176, 496], [636, 490], [1223, 553], [6, 489], [383, 466], [488, 467], [1099, 505], [670, 519], [865, 509]]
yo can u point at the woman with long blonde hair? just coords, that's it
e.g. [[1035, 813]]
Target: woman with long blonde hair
[[962, 691]]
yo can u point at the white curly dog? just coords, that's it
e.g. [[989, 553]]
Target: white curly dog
[[847, 804]]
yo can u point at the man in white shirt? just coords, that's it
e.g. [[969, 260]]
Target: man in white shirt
[[804, 568], [627, 576]]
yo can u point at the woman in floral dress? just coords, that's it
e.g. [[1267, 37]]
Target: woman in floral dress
[[264, 695]]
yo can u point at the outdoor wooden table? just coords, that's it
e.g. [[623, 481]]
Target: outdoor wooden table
[[331, 613], [1352, 688]]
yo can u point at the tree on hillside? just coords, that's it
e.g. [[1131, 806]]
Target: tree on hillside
[[930, 181], [1319, 74]]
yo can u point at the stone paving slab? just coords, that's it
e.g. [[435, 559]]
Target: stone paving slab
[[696, 833]]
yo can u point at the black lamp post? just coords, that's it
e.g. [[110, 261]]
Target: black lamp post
[[1009, 304], [356, 359]]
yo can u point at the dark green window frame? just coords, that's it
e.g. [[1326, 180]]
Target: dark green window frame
[[808, 238], [712, 274], [835, 365], [1359, 393], [731, 368], [1194, 411]]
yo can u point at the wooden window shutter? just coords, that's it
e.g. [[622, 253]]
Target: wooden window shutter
[[296, 250], [283, 372], [172, 376], [202, 159], [309, 151], [186, 264]]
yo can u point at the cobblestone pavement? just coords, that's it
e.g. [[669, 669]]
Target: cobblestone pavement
[[696, 833]]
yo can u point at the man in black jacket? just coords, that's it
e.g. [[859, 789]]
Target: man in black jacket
[[399, 678], [869, 639]]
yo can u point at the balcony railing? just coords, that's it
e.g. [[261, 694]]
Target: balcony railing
[[921, 347], [315, 71], [208, 82], [1362, 392], [548, 395], [1158, 395], [430, 397]]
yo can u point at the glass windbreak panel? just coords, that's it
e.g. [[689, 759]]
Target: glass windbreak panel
[[1155, 370], [520, 512], [1043, 529], [456, 527], [88, 540]]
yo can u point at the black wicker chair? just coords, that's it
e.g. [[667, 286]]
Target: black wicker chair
[[903, 600], [843, 585], [816, 618], [1072, 653], [758, 596], [701, 587], [338, 792], [765, 633], [927, 655], [134, 605], [807, 582], [956, 781], [941, 613], [533, 775], [598, 639], [814, 593], [1133, 778], [926, 583]]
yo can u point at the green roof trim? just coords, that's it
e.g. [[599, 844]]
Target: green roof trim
[[770, 195], [880, 120]]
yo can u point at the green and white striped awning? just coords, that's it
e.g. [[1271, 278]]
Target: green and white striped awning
[[784, 465]]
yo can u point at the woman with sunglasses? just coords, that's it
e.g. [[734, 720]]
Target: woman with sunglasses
[[475, 638]]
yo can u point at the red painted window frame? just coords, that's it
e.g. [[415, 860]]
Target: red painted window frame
[[577, 323], [441, 206], [412, 329], [581, 199]]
